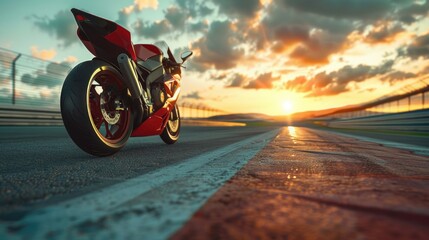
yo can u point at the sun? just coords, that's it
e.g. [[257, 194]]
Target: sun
[[287, 107]]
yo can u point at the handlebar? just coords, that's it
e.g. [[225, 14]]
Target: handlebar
[[170, 63]]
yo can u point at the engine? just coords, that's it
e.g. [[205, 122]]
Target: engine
[[158, 95]]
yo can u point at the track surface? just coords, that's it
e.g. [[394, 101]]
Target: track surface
[[42, 165], [309, 180], [311, 184]]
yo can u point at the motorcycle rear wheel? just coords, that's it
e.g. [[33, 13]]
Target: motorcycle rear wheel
[[171, 132], [94, 108]]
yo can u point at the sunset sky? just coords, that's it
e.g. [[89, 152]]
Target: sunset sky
[[265, 56]]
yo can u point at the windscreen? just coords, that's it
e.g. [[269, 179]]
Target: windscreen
[[163, 46]]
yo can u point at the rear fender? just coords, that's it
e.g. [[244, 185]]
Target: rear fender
[[103, 38]]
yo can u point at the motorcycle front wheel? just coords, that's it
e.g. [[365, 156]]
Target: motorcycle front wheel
[[95, 109], [171, 132]]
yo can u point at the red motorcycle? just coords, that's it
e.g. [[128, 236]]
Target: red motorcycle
[[126, 90]]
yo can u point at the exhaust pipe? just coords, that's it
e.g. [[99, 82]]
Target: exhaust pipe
[[129, 73], [139, 101]]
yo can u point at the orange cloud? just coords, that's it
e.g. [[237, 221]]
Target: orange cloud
[[43, 54], [128, 10], [146, 4], [71, 59], [137, 6], [385, 32], [45, 93], [339, 81], [265, 2]]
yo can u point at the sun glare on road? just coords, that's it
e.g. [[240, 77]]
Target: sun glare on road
[[287, 107]]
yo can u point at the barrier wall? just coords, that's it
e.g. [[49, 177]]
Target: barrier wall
[[407, 121], [406, 109]]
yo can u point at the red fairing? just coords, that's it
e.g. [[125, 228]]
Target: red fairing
[[122, 38], [103, 38], [80, 17], [156, 123], [85, 42], [145, 51]]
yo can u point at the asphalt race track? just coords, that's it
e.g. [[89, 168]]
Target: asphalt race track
[[41, 166], [42, 163], [214, 182]]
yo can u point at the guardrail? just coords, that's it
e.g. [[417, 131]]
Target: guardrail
[[406, 99], [406, 121], [28, 116]]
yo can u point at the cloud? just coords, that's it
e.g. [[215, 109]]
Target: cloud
[[137, 6], [200, 26], [152, 30], [419, 48], [43, 54], [384, 33], [288, 36], [195, 8], [238, 80], [263, 81], [175, 20], [302, 33], [124, 15], [71, 59], [351, 9], [186, 16], [62, 26], [298, 84], [204, 10], [193, 95], [412, 11], [310, 32], [306, 32], [6, 59], [242, 9], [337, 82], [4, 80], [218, 48], [318, 48], [304, 37], [5, 95], [364, 10], [397, 76], [53, 76], [355, 9], [177, 17], [141, 4], [424, 71], [49, 94], [41, 98]]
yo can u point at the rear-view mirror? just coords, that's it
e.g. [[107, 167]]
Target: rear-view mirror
[[186, 55]]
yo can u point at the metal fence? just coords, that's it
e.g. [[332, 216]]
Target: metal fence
[[30, 82], [406, 109], [193, 111], [407, 99]]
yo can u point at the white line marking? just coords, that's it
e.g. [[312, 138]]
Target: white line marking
[[151, 206]]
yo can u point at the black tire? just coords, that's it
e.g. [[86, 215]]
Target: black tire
[[93, 97], [171, 132]]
